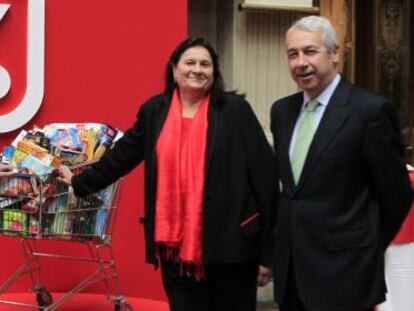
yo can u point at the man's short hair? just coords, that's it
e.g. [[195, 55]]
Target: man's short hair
[[321, 24]]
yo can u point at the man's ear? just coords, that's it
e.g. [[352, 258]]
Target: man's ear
[[335, 54]]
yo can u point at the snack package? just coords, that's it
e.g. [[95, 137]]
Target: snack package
[[93, 138], [37, 166], [15, 186], [8, 152], [106, 139], [14, 221], [68, 156], [34, 226], [67, 139]]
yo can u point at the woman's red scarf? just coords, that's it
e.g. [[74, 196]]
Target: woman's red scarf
[[180, 187]]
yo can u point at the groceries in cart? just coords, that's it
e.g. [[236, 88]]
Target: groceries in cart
[[42, 150], [34, 203]]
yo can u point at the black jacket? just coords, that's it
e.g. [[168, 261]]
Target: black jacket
[[240, 178], [349, 203]]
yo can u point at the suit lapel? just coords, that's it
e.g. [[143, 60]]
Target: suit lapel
[[332, 121], [284, 137]]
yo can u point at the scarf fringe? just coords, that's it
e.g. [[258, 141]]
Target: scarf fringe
[[189, 270]]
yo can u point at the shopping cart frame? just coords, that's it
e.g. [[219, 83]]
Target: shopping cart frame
[[99, 248]]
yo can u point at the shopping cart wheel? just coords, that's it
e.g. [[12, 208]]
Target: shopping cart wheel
[[127, 307], [124, 307], [121, 305], [43, 297]]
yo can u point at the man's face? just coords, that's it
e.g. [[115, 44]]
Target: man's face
[[311, 65]]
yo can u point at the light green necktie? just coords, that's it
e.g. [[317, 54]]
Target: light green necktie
[[306, 130]]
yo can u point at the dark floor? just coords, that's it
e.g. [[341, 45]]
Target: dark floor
[[266, 306]]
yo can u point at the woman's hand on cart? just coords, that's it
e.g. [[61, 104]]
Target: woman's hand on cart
[[6, 170], [64, 174]]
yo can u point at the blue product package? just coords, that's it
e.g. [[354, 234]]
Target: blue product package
[[8, 152]]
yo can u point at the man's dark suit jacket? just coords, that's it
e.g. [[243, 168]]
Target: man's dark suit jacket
[[352, 196]]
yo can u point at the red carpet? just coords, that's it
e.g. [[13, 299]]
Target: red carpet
[[84, 302]]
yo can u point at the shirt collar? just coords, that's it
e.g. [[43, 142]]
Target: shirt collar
[[324, 97]]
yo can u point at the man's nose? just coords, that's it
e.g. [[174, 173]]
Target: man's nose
[[302, 60]]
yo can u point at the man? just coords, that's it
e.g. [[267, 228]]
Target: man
[[344, 185]]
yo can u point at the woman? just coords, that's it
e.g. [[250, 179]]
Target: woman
[[209, 185]]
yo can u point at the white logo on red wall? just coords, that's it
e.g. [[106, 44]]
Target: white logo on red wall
[[26, 109]]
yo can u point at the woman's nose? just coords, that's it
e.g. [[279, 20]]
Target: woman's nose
[[197, 68]]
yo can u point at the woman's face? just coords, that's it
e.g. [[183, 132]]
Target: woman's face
[[194, 70]]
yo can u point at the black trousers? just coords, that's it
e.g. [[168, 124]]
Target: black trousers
[[226, 287], [292, 300]]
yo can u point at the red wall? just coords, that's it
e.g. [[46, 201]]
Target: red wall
[[102, 60]]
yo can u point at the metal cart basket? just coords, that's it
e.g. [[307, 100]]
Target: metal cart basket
[[34, 208]]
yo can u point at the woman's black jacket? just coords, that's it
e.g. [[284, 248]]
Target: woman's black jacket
[[240, 185]]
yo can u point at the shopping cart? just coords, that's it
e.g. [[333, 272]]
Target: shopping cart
[[35, 208]]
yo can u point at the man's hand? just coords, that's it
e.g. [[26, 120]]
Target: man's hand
[[264, 275]]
